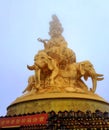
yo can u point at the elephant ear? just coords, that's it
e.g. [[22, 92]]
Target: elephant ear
[[82, 68]]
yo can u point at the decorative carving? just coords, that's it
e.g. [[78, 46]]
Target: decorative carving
[[56, 69]]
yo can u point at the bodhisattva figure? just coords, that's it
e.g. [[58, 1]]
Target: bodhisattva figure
[[56, 47]]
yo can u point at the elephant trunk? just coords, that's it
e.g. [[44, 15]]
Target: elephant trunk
[[94, 82], [37, 73], [95, 77]]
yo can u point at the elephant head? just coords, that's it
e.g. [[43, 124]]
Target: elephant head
[[87, 70], [43, 63], [41, 60]]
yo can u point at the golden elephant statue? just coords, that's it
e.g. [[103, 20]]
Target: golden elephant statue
[[44, 66], [84, 69]]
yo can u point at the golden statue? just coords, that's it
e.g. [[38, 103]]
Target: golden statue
[[57, 83], [56, 68]]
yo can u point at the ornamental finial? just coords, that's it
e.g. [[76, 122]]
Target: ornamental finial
[[55, 29]]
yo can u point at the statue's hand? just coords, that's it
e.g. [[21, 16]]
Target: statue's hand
[[41, 40]]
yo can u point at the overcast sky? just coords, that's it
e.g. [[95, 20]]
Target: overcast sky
[[86, 29]]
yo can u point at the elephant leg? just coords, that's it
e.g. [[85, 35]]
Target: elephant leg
[[38, 73], [53, 75], [37, 78]]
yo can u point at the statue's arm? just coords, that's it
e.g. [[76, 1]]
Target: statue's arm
[[43, 41]]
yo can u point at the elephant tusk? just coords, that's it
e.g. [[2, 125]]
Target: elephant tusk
[[99, 79], [31, 67], [99, 75]]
